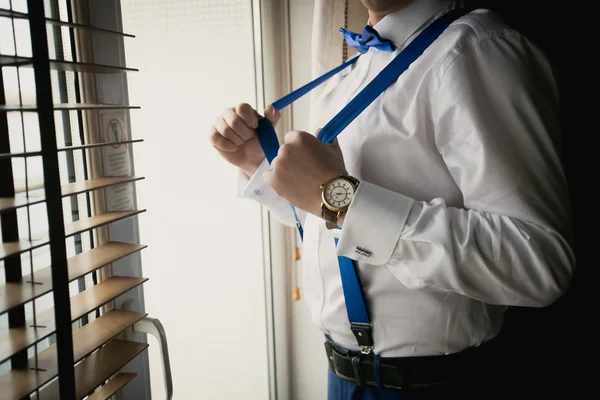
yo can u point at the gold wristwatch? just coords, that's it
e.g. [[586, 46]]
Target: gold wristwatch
[[336, 196]]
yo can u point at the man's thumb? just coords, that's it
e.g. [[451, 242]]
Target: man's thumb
[[272, 114], [335, 143]]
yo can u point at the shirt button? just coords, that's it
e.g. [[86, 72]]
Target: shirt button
[[257, 192]]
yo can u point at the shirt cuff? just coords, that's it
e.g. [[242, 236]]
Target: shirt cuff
[[255, 188], [373, 224]]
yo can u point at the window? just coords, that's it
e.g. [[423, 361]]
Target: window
[[37, 133], [24, 136], [205, 251]]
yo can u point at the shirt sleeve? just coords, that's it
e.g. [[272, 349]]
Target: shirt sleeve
[[497, 128], [254, 188]]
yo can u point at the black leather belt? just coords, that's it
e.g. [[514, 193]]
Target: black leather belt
[[403, 373]]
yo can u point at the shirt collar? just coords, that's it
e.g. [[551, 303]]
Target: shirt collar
[[400, 25]]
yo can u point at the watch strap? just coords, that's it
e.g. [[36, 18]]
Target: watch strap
[[352, 179], [328, 215]]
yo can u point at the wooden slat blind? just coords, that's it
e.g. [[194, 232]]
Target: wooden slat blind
[[85, 340], [15, 294], [113, 386], [71, 189], [14, 248], [83, 357], [17, 339], [98, 367]]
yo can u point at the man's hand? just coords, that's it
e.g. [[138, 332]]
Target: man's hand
[[234, 136], [301, 166]]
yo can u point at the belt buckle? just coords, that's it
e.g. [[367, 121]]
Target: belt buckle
[[330, 347], [356, 360]]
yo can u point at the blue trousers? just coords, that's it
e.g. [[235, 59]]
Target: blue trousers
[[340, 389]]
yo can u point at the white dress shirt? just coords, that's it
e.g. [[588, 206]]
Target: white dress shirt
[[462, 204]]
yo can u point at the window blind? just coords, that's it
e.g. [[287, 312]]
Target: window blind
[[58, 330]]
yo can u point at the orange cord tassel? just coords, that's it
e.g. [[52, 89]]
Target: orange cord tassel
[[296, 295]]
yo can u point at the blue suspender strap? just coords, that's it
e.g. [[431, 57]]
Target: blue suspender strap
[[267, 137], [356, 309], [265, 131], [387, 76], [296, 94]]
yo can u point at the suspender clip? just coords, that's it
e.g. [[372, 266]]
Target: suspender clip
[[363, 335]]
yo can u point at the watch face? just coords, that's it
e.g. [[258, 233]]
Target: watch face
[[338, 194]]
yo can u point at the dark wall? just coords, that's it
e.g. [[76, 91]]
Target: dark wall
[[544, 346]]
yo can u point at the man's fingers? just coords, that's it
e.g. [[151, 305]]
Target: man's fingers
[[248, 115], [220, 142], [227, 131], [272, 114], [237, 124]]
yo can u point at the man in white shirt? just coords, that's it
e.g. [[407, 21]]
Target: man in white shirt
[[461, 207]]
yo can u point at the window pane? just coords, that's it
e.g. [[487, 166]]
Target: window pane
[[204, 258]]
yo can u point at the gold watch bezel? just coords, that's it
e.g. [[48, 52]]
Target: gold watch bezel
[[324, 202]]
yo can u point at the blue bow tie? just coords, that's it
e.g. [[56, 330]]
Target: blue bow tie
[[368, 38]]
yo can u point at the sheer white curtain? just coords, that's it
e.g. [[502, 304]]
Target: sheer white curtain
[[328, 45], [327, 42]]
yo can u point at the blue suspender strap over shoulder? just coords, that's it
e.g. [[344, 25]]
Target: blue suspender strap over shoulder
[[356, 309]]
